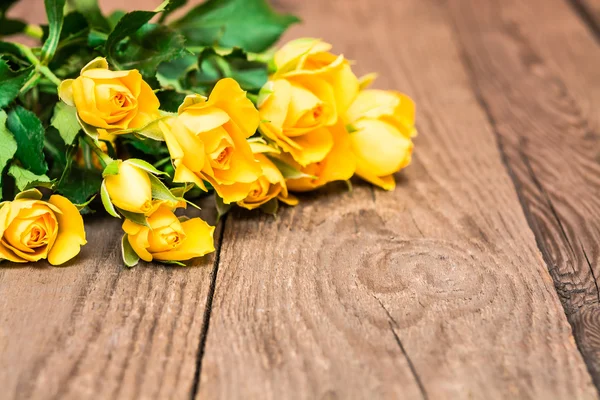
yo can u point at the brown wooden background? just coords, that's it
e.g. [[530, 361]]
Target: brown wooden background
[[476, 278]]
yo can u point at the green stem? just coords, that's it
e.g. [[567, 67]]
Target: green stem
[[50, 75], [102, 156], [31, 82], [42, 69]]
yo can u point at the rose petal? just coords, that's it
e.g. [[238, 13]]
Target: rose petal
[[71, 233]]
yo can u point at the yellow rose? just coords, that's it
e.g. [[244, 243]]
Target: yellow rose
[[32, 229], [310, 89], [110, 101], [130, 189], [168, 239], [207, 141], [383, 124], [338, 165], [269, 186], [308, 60]]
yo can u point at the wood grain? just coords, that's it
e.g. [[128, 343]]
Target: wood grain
[[543, 100], [95, 329], [436, 290]]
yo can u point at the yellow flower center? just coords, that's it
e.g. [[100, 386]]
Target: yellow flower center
[[173, 239], [147, 206], [120, 105], [29, 234], [166, 238], [224, 155], [37, 236], [318, 111], [221, 158]]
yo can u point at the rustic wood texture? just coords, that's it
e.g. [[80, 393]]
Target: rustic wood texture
[[589, 11], [94, 329], [436, 290], [543, 101]]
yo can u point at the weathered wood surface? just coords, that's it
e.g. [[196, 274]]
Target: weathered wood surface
[[437, 290], [543, 101], [96, 330]]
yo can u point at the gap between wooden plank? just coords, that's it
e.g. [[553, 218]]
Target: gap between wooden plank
[[449, 255], [208, 310], [580, 299], [589, 12]]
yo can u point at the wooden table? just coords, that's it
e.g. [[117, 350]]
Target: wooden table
[[476, 278]]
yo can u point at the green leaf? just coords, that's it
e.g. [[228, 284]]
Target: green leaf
[[11, 82], [170, 100], [111, 169], [138, 218], [11, 26], [83, 207], [251, 75], [12, 52], [171, 73], [151, 131], [146, 146], [65, 120], [92, 13], [79, 184], [151, 45], [130, 257], [249, 24], [270, 207], [72, 52], [108, 205], [26, 179], [29, 135], [161, 192], [172, 6], [182, 190], [96, 39], [288, 171], [54, 11], [89, 130], [171, 262], [56, 151], [127, 26], [8, 147], [146, 166], [222, 208]]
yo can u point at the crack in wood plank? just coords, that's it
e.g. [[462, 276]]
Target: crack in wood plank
[[587, 259], [392, 322], [208, 311], [573, 299]]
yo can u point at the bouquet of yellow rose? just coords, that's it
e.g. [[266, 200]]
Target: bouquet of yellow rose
[[140, 114]]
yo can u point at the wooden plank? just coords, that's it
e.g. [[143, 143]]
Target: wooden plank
[[436, 290], [95, 329], [543, 100]]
